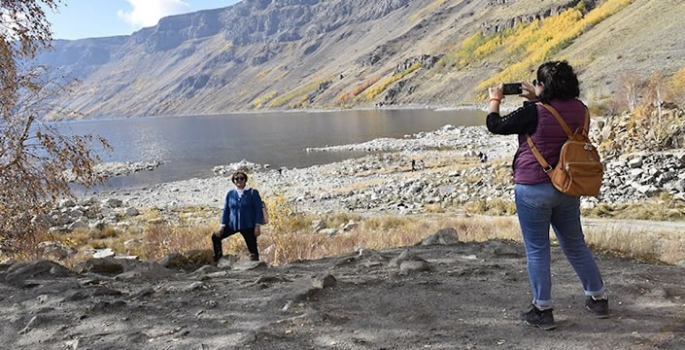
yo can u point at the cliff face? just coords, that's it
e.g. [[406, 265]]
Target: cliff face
[[280, 54]]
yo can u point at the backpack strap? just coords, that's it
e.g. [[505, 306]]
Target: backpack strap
[[558, 117], [545, 166], [567, 130]]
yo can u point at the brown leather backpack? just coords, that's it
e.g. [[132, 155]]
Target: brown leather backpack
[[579, 171]]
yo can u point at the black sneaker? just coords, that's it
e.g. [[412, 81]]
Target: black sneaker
[[542, 319], [599, 307]]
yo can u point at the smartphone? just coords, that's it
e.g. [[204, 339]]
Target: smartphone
[[513, 89]]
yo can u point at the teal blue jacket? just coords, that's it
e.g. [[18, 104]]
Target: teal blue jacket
[[242, 213]]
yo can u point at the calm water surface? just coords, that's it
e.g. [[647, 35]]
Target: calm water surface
[[191, 146]]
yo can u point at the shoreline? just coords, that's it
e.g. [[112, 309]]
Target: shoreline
[[382, 181], [448, 142]]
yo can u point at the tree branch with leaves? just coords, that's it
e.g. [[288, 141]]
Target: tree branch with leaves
[[37, 162]]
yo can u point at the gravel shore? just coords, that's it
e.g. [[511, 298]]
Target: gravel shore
[[387, 159]]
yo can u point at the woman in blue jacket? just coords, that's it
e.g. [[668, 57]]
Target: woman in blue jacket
[[242, 213]]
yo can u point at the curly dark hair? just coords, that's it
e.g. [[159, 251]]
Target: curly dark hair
[[560, 81]]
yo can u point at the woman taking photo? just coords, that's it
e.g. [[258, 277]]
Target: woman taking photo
[[538, 202], [242, 213]]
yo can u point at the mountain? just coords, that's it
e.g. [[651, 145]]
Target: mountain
[[325, 54]]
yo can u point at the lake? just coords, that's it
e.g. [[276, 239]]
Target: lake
[[191, 146]]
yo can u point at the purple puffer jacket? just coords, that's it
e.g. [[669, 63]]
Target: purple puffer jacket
[[548, 138]]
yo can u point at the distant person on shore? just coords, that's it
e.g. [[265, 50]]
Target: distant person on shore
[[483, 157], [422, 165], [538, 202], [242, 213], [413, 165]]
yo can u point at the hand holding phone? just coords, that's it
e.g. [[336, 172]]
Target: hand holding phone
[[512, 89]]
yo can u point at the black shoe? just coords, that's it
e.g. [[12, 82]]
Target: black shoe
[[542, 319], [599, 307]]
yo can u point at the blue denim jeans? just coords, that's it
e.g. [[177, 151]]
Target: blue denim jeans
[[538, 206]]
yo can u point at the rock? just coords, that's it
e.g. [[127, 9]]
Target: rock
[[227, 261], [318, 225], [324, 281], [131, 211], [43, 220], [249, 265], [66, 203], [188, 260], [22, 271], [635, 162], [410, 266], [349, 226], [56, 250], [328, 232], [148, 271], [104, 253], [104, 265], [406, 255], [444, 236], [112, 203]]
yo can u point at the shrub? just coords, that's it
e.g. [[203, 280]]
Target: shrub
[[37, 162]]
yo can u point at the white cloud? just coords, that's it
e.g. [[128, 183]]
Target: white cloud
[[146, 13]]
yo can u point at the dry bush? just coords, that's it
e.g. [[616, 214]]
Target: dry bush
[[494, 206], [162, 239], [629, 87]]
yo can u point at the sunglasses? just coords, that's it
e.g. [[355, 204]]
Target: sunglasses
[[536, 83], [239, 178]]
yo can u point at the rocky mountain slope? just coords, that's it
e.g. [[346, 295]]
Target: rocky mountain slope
[[283, 54]]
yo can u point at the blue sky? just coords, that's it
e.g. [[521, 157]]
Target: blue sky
[[78, 19]]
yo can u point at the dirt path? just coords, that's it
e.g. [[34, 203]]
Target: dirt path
[[464, 296]]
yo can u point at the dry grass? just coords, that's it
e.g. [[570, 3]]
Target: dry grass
[[495, 207], [291, 238], [655, 210], [642, 244], [377, 233]]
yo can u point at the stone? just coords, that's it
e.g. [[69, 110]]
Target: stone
[[445, 236], [325, 281], [104, 253]]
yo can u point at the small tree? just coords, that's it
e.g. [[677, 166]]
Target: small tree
[[628, 90], [35, 157], [654, 99]]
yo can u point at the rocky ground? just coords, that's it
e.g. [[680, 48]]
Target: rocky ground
[[452, 296], [443, 294]]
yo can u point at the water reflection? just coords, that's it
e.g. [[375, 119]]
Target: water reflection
[[191, 146]]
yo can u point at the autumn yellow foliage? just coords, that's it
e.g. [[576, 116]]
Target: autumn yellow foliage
[[356, 90], [537, 42], [378, 89], [523, 48]]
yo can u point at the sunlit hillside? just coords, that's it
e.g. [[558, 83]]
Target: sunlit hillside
[[330, 54]]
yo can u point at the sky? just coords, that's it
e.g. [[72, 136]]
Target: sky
[[78, 19]]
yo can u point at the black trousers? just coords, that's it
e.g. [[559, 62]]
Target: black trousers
[[226, 231]]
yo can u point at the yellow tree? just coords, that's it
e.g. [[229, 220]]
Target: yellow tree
[[35, 158]]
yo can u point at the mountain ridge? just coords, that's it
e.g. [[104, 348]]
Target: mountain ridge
[[268, 54]]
